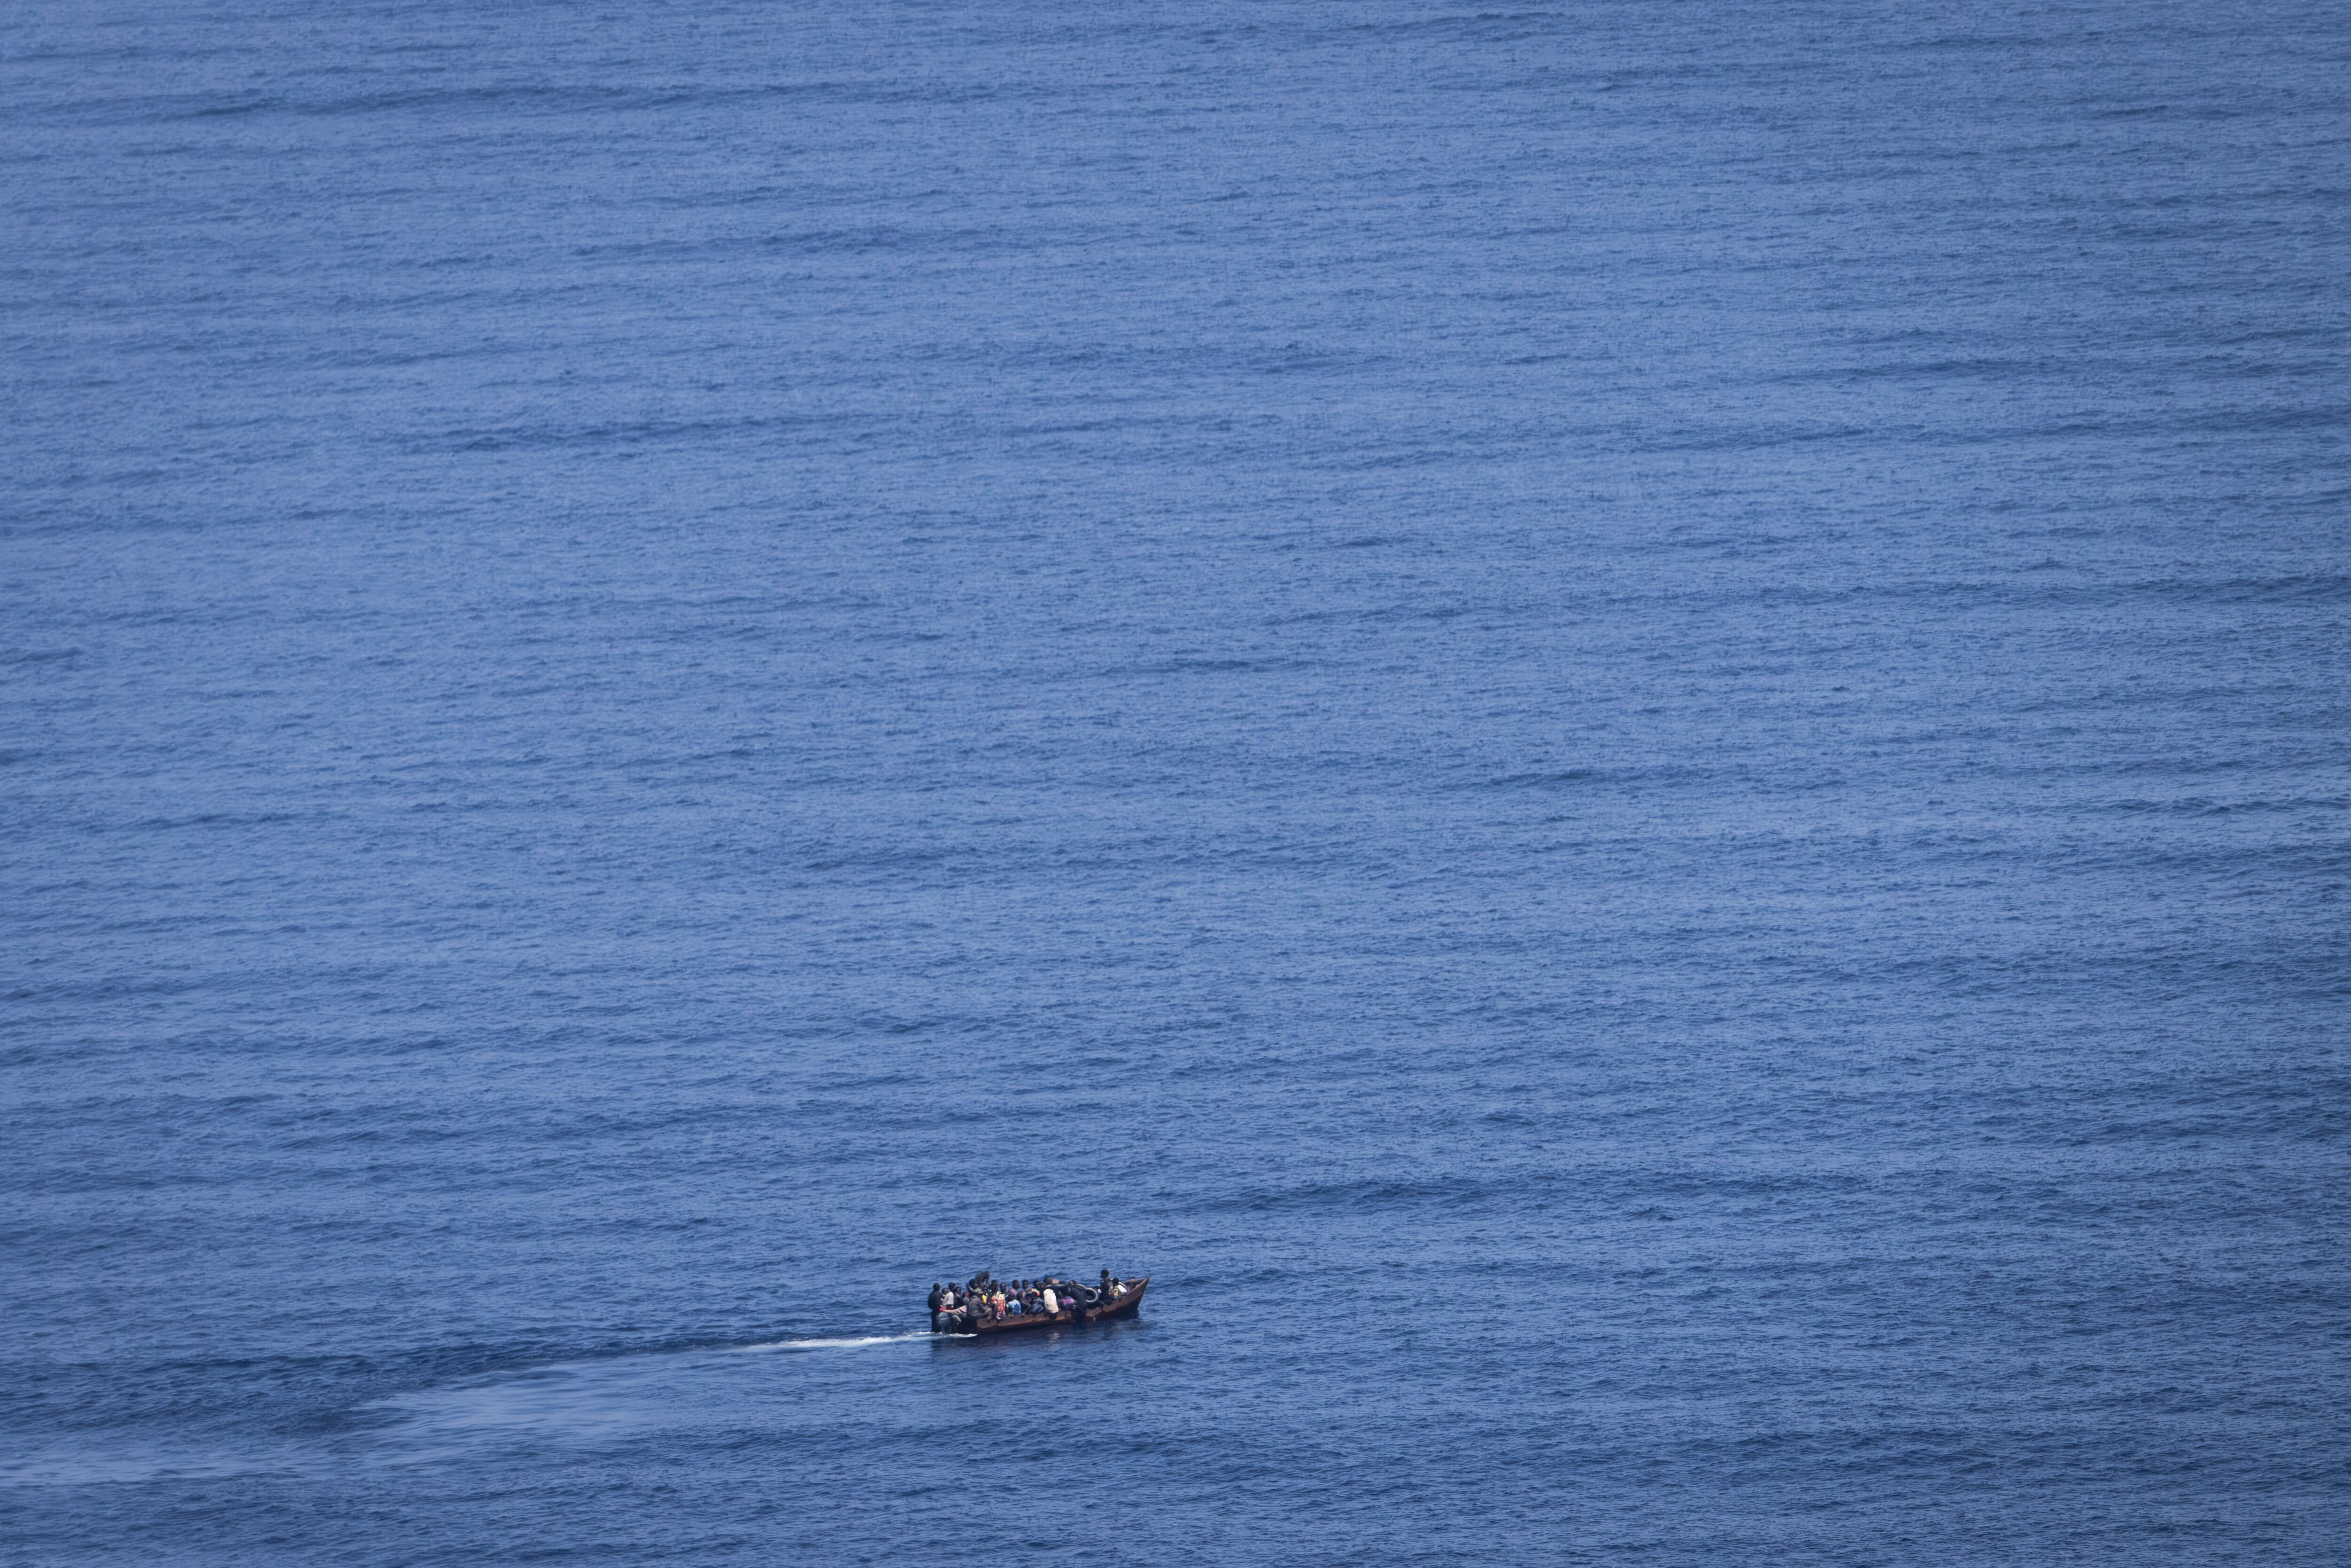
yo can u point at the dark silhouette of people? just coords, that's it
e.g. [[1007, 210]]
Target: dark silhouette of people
[[959, 1309]]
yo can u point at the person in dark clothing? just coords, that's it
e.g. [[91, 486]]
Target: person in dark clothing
[[938, 1295]]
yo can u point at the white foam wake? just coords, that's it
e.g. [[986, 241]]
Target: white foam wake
[[830, 1343], [605, 1400]]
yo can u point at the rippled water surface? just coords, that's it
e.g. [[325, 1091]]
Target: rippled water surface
[[1623, 728]]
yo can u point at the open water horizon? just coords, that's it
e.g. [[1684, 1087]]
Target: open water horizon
[[1622, 727]]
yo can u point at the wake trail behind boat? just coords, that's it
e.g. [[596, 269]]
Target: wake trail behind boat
[[832, 1344], [605, 1399]]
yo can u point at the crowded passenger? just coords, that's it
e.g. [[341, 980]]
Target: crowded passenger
[[956, 1309]]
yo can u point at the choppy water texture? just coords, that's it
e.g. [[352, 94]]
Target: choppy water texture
[[1625, 728]]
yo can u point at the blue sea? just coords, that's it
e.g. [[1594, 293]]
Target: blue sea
[[1625, 729]]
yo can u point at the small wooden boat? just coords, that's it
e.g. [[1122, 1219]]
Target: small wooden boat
[[1124, 1307]]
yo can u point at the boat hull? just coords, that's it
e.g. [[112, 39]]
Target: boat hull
[[1067, 1317]]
